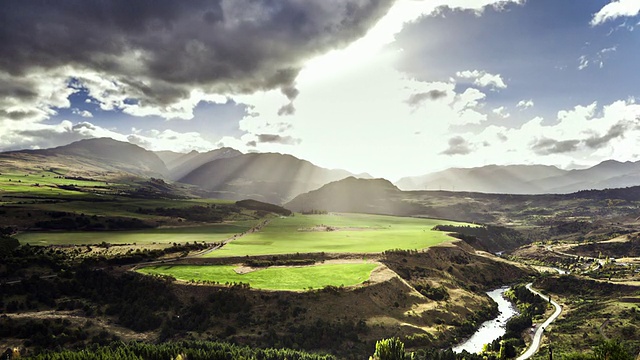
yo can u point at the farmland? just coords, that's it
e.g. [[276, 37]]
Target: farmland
[[272, 278], [206, 233], [337, 233]]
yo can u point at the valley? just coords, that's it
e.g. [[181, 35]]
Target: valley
[[98, 249]]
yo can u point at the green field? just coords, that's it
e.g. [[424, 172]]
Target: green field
[[356, 233], [208, 233], [274, 278], [44, 184]]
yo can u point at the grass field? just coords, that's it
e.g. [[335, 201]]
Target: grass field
[[44, 184], [208, 233], [355, 233], [274, 278]]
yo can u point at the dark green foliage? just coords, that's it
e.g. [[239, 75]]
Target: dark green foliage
[[487, 237], [611, 350], [528, 303], [389, 349], [434, 293], [434, 354], [573, 285], [192, 350], [86, 223], [204, 213], [48, 333], [606, 350], [259, 205], [8, 244], [278, 262], [315, 212]]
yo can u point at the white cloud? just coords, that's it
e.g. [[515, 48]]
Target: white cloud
[[525, 104], [587, 134], [584, 62], [616, 9], [483, 78], [170, 140], [83, 113], [24, 135], [501, 111]]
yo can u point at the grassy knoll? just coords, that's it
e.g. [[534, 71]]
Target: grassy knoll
[[274, 278], [208, 233], [339, 233]]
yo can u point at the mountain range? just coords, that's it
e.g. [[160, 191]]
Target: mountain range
[[279, 178], [528, 179], [222, 173]]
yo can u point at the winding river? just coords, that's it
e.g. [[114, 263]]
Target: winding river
[[491, 329]]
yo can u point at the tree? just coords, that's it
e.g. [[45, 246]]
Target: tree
[[389, 349], [611, 350]]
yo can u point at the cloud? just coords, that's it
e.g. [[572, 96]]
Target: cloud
[[616, 131], [584, 62], [546, 146], [598, 58], [277, 139], [616, 9], [457, 146], [501, 111], [161, 53], [419, 98], [83, 113], [288, 109], [16, 135], [483, 78], [525, 104]]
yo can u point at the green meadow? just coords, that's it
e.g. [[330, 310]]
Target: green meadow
[[353, 233], [44, 184], [273, 278], [207, 233]]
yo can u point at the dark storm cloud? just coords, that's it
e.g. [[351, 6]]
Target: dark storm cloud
[[290, 92], [596, 142], [164, 48], [457, 146], [288, 109], [547, 146], [277, 139], [419, 98]]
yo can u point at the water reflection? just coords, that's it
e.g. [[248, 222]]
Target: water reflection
[[492, 329]]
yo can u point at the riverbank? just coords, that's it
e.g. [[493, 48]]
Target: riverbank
[[491, 329]]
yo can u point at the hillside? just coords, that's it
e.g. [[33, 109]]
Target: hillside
[[527, 179], [514, 179], [378, 196], [102, 157], [269, 177], [187, 163]]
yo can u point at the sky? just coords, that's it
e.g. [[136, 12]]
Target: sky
[[389, 87]]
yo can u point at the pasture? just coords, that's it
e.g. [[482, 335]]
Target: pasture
[[337, 233], [206, 233], [43, 185], [272, 278]]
